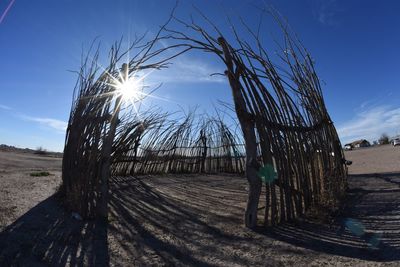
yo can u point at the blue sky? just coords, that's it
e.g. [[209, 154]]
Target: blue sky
[[355, 45]]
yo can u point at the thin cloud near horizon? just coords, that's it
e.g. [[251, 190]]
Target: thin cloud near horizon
[[58, 125], [5, 107], [370, 124]]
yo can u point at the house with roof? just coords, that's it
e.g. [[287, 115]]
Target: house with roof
[[358, 144]]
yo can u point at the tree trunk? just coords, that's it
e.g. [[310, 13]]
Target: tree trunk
[[247, 124], [255, 186]]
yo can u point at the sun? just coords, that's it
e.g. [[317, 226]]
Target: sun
[[130, 90]]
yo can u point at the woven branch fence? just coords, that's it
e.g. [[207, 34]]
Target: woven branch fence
[[95, 123], [287, 144], [186, 146], [282, 114]]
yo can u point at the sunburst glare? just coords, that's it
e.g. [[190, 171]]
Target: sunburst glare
[[131, 89]]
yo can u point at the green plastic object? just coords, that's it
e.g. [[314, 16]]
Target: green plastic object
[[267, 174]]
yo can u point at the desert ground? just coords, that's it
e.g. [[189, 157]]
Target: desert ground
[[191, 220]]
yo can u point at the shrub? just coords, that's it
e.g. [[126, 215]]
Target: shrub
[[40, 151], [384, 139], [38, 174]]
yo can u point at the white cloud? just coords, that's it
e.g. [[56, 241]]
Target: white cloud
[[55, 124], [5, 107], [325, 11], [188, 70], [370, 124]]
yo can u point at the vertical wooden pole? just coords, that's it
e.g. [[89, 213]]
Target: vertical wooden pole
[[107, 149], [247, 124], [204, 152]]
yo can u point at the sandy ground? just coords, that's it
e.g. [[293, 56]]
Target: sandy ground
[[194, 221], [380, 159], [19, 191]]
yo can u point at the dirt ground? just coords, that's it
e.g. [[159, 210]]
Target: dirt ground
[[380, 159], [19, 192], [190, 220]]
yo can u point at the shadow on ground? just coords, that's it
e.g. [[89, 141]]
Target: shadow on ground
[[373, 201], [177, 224], [48, 236], [180, 221]]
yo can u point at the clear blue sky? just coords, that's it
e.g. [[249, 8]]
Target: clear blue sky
[[355, 45]]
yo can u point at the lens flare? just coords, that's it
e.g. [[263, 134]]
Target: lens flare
[[130, 89]]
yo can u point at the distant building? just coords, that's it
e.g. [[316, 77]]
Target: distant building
[[359, 143]]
